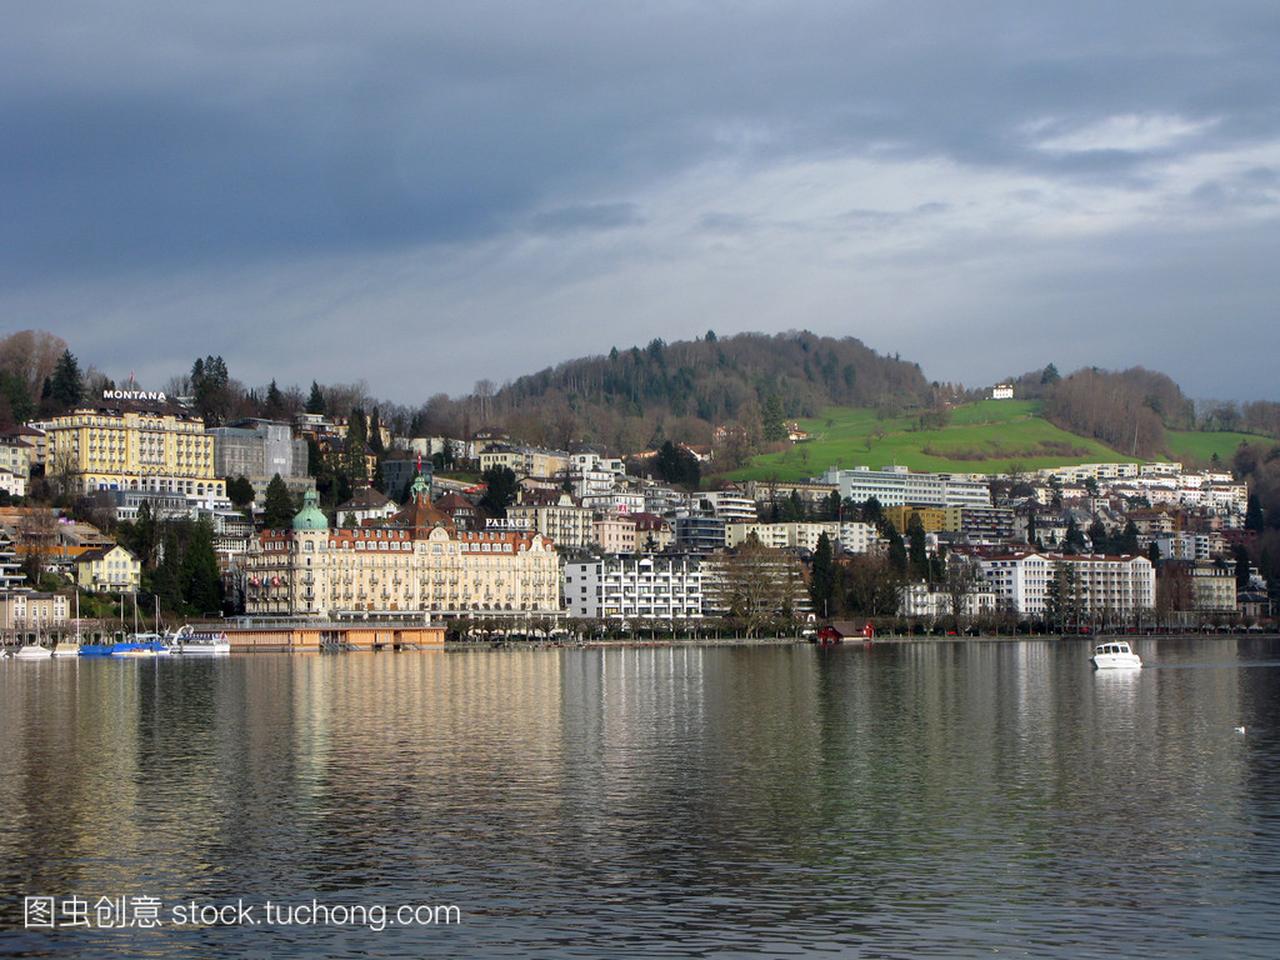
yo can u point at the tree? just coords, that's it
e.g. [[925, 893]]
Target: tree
[[835, 505], [66, 387], [822, 578], [897, 552], [211, 387], [1073, 541], [794, 510], [1098, 537], [375, 432], [273, 407], [277, 511], [959, 583], [676, 465], [315, 402], [240, 491], [356, 448], [500, 490], [1050, 376], [1253, 515], [757, 582], [774, 428], [872, 512], [203, 590], [917, 551], [1242, 566], [711, 336]]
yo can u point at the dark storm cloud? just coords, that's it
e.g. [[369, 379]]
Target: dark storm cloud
[[409, 143]]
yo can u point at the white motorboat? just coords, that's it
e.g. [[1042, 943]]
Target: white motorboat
[[65, 649], [189, 643], [32, 652], [1115, 655]]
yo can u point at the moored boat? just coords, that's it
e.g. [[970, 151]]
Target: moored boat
[[66, 649], [32, 652], [189, 643], [1115, 655]]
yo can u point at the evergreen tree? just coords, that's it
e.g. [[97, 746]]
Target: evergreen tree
[[795, 508], [1050, 376], [1153, 554], [356, 447], [66, 388], [203, 591], [1073, 542], [1242, 567], [1098, 537], [1253, 516], [897, 549], [711, 336], [917, 552], [872, 512], [775, 429], [375, 432], [822, 579], [278, 511], [834, 505], [211, 388], [500, 492], [143, 539], [315, 402], [273, 409], [1128, 542], [240, 491]]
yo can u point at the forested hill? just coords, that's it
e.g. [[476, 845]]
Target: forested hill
[[634, 396]]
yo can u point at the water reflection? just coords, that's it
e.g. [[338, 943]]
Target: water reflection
[[944, 799]]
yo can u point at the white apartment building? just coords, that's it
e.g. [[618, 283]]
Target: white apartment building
[[852, 536], [634, 588], [729, 505], [1023, 582], [898, 486], [1188, 546], [12, 484], [1080, 472], [922, 600]]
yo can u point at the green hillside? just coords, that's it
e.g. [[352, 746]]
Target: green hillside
[[991, 436], [1198, 446]]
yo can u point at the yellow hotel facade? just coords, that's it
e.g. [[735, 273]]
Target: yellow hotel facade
[[134, 440], [416, 561]]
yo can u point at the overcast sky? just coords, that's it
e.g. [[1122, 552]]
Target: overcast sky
[[425, 194]]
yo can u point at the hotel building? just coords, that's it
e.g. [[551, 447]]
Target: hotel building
[[416, 561], [134, 440]]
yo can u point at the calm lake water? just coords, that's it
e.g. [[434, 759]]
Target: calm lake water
[[952, 799]]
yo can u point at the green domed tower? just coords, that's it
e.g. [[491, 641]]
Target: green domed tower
[[310, 517]]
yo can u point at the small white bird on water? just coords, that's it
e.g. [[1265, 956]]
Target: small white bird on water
[[1239, 729]]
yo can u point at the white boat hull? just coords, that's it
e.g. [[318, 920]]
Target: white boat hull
[[67, 650], [1116, 661], [203, 649], [33, 653]]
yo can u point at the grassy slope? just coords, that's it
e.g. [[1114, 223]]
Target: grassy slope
[[1005, 432], [1196, 446]]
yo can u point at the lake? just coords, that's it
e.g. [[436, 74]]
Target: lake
[[904, 800]]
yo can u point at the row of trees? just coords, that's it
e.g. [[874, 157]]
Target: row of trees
[[40, 377]]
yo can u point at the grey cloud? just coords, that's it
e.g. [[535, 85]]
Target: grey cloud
[[589, 217], [145, 141]]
